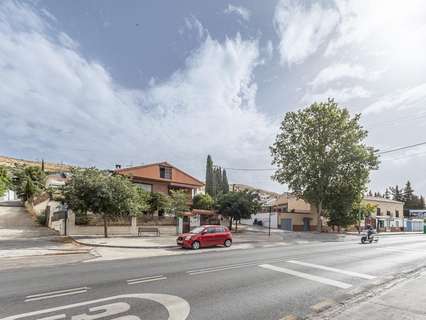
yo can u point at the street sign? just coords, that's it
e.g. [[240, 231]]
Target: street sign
[[119, 309]]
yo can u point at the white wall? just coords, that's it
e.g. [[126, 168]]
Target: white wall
[[8, 196], [264, 217]]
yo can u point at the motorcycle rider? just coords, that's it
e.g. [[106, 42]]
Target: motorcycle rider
[[370, 231]]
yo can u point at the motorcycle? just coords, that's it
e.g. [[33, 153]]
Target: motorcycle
[[369, 239]]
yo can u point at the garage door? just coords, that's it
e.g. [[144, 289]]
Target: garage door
[[286, 224]]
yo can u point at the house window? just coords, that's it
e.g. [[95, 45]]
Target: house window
[[388, 213], [379, 213], [166, 173], [144, 186], [397, 213]]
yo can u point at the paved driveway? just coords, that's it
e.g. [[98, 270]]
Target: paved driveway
[[20, 236]]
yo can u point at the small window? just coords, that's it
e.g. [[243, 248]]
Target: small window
[[388, 213], [397, 213], [166, 173], [379, 213], [211, 230]]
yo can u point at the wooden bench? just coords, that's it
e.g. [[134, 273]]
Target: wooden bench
[[142, 230]]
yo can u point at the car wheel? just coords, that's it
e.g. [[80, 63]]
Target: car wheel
[[196, 245], [227, 243]]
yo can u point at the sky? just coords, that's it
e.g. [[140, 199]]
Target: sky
[[99, 83]]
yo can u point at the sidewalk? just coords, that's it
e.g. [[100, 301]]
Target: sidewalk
[[404, 301], [388, 233], [165, 241]]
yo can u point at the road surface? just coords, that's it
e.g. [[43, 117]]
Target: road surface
[[257, 283]]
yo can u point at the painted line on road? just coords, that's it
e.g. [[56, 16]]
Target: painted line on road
[[54, 294], [317, 266], [221, 268], [308, 276], [146, 279], [410, 251]]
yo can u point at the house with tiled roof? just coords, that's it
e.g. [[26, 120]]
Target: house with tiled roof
[[162, 177]]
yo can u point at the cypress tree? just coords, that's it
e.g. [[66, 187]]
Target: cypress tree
[[396, 193], [217, 181], [408, 192], [387, 194], [225, 184], [209, 177]]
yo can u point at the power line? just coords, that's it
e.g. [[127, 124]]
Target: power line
[[381, 152], [403, 148], [250, 169]]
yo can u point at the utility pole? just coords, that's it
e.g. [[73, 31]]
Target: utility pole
[[269, 224]]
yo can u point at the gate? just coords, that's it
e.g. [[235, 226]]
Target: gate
[[286, 224]]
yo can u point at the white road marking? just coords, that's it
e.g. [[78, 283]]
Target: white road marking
[[409, 251], [349, 273], [221, 268], [147, 279], [58, 291], [177, 307], [308, 276], [54, 294]]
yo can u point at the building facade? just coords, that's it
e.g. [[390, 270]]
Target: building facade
[[295, 214], [388, 215], [162, 177]]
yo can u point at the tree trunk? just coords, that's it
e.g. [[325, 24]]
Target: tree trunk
[[230, 223], [236, 225], [105, 226], [319, 222]]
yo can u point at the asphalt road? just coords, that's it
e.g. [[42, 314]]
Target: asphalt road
[[259, 283]]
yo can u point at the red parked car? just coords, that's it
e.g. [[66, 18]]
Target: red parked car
[[205, 236]]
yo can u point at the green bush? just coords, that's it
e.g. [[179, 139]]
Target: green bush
[[41, 219], [81, 219]]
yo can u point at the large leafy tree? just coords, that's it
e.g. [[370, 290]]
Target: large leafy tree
[[100, 193], [238, 205], [317, 149], [202, 201], [28, 182], [5, 180]]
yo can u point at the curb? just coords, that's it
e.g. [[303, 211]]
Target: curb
[[123, 247], [145, 247]]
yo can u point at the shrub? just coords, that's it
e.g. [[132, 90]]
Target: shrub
[[41, 219], [81, 219]]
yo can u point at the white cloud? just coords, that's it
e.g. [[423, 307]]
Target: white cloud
[[241, 11], [302, 29], [339, 71], [58, 105], [341, 95], [379, 27], [414, 97], [193, 24]]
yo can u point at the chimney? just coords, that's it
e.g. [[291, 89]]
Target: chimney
[[118, 166]]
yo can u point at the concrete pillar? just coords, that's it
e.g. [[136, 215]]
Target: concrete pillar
[[70, 223], [134, 226]]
